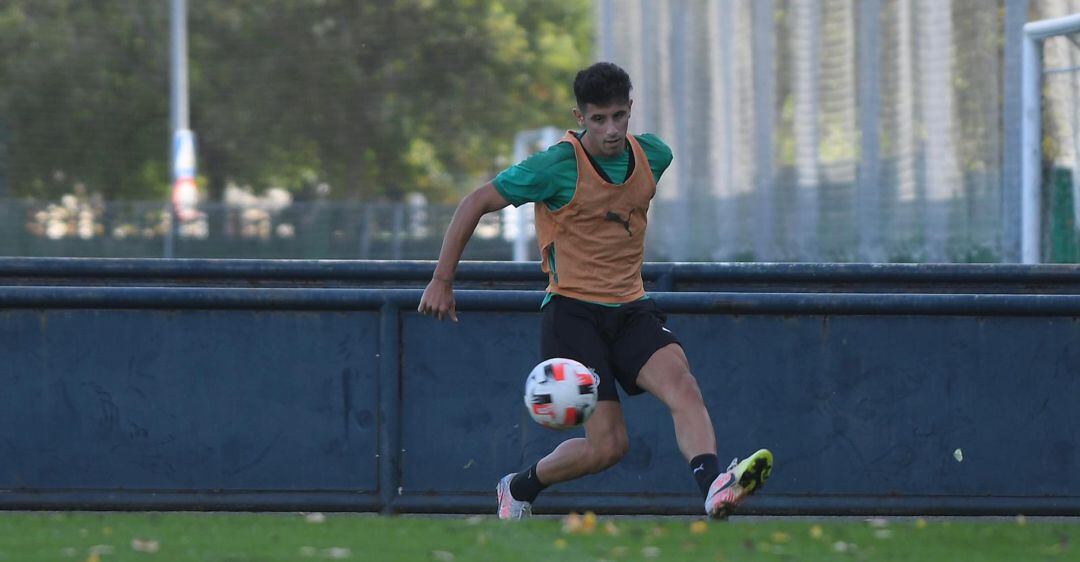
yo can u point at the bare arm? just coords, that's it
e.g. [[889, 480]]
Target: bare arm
[[438, 297]]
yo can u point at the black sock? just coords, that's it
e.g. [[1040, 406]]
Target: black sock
[[525, 486], [705, 469]]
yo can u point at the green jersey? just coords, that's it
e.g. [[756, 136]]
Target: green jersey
[[550, 176]]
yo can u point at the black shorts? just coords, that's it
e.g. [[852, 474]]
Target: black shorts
[[616, 342]]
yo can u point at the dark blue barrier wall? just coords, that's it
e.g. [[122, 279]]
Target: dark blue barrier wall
[[726, 277], [333, 398]]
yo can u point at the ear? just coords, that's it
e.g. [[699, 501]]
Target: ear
[[579, 117]]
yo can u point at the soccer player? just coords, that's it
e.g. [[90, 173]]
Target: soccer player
[[592, 191]]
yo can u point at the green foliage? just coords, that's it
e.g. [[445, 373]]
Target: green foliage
[[84, 95], [374, 98]]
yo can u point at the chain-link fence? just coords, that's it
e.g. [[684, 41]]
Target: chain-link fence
[[318, 230], [1061, 139], [803, 130], [352, 230], [824, 130]]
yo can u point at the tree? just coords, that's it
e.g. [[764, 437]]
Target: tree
[[84, 95], [374, 98]]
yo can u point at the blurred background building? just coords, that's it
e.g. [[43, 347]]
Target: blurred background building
[[804, 130]]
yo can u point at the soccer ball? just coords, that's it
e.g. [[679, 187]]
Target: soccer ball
[[561, 393]]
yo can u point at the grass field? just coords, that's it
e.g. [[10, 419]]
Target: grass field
[[100, 537]]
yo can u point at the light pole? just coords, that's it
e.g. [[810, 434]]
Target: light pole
[[182, 149]]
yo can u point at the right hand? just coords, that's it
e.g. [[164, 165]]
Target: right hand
[[438, 300]]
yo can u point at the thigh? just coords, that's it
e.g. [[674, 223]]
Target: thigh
[[569, 329], [664, 366], [643, 333]]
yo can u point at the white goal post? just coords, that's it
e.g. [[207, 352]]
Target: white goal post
[[1031, 71]]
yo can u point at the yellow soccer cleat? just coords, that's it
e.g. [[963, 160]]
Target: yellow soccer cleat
[[741, 479]]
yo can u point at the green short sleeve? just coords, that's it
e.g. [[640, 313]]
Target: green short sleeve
[[658, 153], [540, 177]]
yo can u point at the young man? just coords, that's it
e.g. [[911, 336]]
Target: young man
[[592, 192]]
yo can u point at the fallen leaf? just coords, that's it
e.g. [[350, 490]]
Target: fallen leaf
[[840, 546], [611, 529], [315, 518], [572, 523], [650, 551], [920, 523], [877, 522], [882, 533], [94, 557], [588, 522], [1021, 520], [475, 520], [816, 532], [560, 544], [68, 551], [699, 527], [337, 552], [958, 455], [148, 546], [779, 537], [308, 551], [442, 555]]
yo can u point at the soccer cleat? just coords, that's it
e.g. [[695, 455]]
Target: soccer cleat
[[741, 479], [509, 508]]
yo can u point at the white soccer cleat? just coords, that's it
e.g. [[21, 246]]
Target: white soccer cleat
[[509, 508], [741, 479]]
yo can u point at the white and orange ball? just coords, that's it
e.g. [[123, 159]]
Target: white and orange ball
[[561, 393]]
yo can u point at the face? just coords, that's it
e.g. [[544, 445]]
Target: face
[[605, 127]]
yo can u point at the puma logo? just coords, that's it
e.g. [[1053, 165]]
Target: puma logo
[[614, 217]]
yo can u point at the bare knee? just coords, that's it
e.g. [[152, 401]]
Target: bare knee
[[608, 451], [684, 392], [667, 376]]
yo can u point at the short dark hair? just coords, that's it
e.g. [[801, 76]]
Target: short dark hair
[[602, 84]]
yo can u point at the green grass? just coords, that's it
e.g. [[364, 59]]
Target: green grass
[[28, 537]]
